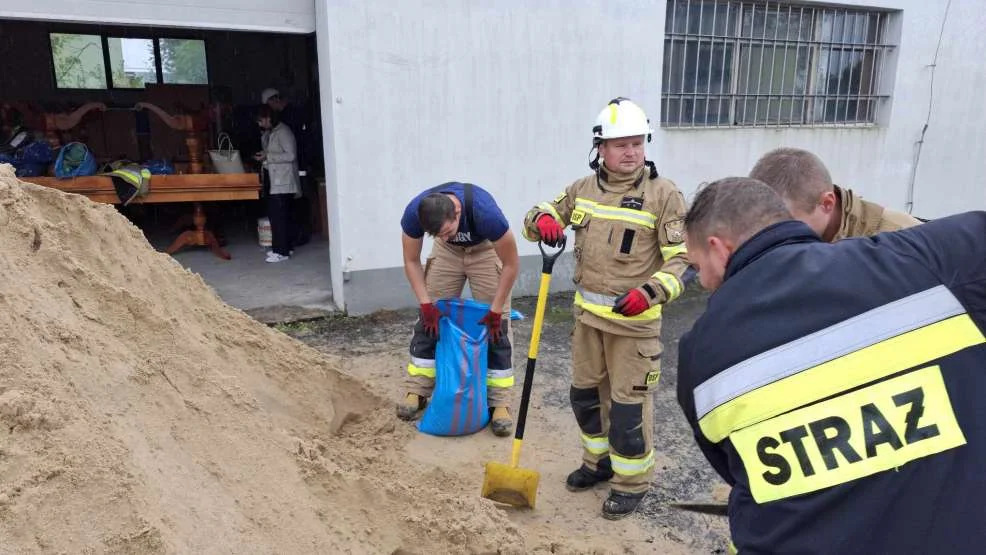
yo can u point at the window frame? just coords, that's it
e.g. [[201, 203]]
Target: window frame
[[734, 99], [109, 67], [140, 34], [54, 68]]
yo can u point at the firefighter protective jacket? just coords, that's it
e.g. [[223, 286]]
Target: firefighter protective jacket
[[839, 389], [628, 234], [862, 218]]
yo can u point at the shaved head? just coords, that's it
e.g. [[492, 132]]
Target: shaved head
[[724, 215], [734, 208], [797, 175]]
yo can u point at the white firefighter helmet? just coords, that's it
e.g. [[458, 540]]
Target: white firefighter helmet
[[621, 118]]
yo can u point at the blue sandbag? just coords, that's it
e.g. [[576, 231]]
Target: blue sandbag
[[458, 404]]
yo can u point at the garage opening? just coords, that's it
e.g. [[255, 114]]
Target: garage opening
[[80, 101]]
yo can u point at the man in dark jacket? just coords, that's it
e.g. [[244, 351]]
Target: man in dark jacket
[[838, 387]]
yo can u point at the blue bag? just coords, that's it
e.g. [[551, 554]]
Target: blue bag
[[37, 153], [458, 404], [74, 160], [160, 167]]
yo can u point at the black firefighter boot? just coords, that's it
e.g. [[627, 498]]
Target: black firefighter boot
[[621, 504], [583, 478]]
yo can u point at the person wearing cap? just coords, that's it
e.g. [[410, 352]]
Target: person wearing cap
[[297, 117], [629, 261], [280, 164], [289, 113]]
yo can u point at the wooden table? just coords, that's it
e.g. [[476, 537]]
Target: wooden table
[[195, 187]]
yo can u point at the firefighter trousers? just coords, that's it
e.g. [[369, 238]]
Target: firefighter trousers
[[446, 271], [613, 380]]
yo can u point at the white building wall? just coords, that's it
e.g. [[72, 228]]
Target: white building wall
[[502, 94], [505, 94], [289, 16]]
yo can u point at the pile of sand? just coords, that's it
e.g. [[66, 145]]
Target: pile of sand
[[139, 413]]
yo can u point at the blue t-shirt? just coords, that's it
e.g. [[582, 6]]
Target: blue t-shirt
[[488, 219]]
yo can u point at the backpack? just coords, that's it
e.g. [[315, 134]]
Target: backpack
[[75, 160]]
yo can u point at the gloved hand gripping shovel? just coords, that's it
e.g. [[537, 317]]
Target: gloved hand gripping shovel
[[511, 484]]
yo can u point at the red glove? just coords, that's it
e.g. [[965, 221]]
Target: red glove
[[492, 323], [549, 229], [631, 303], [429, 318]]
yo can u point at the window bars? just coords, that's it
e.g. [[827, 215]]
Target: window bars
[[729, 63]]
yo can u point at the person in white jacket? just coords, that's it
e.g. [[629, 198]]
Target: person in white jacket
[[280, 162]]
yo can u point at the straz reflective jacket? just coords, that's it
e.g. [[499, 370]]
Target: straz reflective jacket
[[839, 389]]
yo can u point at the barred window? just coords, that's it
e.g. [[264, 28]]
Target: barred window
[[729, 63]]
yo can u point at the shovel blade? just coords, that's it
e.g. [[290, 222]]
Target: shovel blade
[[510, 485]]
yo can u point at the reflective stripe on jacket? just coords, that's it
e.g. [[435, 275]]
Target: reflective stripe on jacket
[[828, 380], [628, 234]]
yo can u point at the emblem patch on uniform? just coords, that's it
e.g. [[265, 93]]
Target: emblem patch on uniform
[[577, 216], [675, 231], [633, 203], [560, 198], [650, 380]]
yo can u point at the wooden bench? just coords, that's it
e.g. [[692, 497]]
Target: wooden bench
[[196, 188]]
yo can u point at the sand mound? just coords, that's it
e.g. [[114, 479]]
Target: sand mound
[[139, 413]]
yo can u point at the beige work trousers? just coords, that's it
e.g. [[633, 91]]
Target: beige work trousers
[[613, 380], [446, 270]]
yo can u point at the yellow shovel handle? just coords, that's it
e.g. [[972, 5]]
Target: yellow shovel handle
[[532, 353], [542, 302]]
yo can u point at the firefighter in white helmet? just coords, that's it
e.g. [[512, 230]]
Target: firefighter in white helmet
[[629, 261]]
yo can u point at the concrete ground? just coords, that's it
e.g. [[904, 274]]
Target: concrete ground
[[295, 289], [375, 350]]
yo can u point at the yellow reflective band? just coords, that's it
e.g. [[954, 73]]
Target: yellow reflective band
[[595, 445], [625, 215], [879, 360], [606, 311], [632, 467], [612, 113], [597, 210], [500, 382], [128, 175], [732, 548], [672, 251], [670, 283], [837, 340], [414, 370], [547, 207], [500, 378], [870, 430]]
